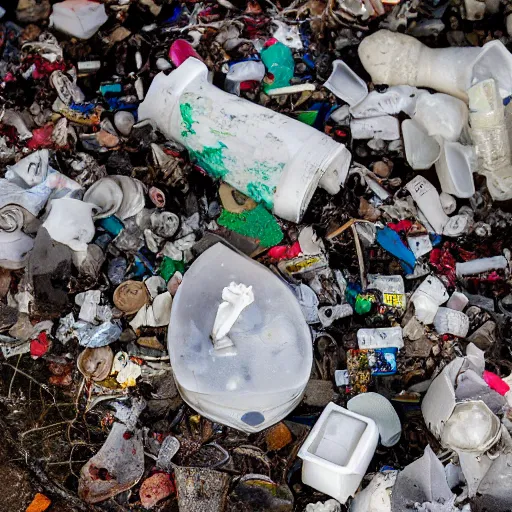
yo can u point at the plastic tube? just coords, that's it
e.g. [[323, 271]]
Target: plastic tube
[[490, 136], [480, 265], [270, 157], [398, 59]]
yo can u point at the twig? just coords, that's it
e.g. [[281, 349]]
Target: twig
[[345, 226], [360, 258], [13, 377]]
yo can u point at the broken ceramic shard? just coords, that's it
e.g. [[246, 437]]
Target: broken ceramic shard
[[118, 465], [236, 298], [257, 386], [197, 114]]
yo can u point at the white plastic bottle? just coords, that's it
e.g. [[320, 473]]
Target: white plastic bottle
[[491, 138], [268, 156], [398, 59]]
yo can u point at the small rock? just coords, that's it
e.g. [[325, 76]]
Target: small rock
[[30, 11], [381, 169], [124, 122], [484, 337], [154, 489], [150, 342], [106, 139], [258, 492], [318, 393], [278, 437], [5, 282], [8, 316], [368, 211]]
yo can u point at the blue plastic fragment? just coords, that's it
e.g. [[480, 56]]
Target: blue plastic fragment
[[110, 89], [111, 225], [391, 242], [435, 239], [84, 108]]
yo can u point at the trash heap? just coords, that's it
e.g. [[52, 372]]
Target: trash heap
[[256, 256]]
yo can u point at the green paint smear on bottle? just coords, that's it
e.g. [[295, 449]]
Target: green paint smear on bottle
[[261, 193], [257, 223], [211, 160], [186, 116]]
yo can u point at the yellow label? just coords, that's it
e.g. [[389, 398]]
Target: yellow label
[[395, 300]]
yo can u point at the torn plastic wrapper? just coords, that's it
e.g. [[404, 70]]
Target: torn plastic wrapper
[[118, 465]]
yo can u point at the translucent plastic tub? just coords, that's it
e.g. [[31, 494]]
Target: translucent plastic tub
[[262, 379]]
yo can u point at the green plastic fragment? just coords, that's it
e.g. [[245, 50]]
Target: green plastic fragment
[[278, 60], [308, 117], [169, 267], [257, 223], [363, 305]]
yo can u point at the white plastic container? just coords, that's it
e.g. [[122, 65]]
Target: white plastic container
[[338, 451], [472, 267], [78, 18], [268, 156], [455, 169], [260, 379]]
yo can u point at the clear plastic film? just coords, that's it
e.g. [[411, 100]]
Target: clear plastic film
[[491, 138]]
